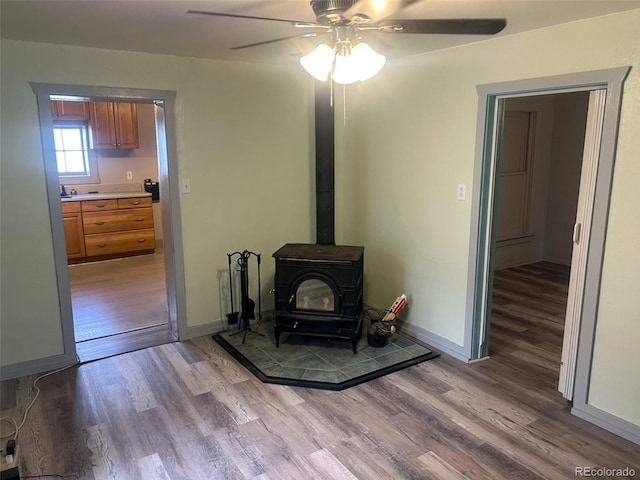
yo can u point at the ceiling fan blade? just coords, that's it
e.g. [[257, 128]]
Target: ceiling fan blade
[[374, 11], [250, 17], [266, 42], [486, 26]]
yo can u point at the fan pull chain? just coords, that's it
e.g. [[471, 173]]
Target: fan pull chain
[[331, 93], [344, 105]]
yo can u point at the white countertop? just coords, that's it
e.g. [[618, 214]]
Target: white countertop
[[105, 196]]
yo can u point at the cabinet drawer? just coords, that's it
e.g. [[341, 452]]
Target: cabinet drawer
[[136, 202], [121, 242], [99, 205], [117, 220], [70, 207]]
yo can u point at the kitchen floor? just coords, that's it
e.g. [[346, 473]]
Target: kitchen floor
[[119, 305]]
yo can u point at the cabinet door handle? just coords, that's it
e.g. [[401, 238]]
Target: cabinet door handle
[[135, 203], [99, 223], [101, 245], [102, 205], [141, 240], [140, 219]]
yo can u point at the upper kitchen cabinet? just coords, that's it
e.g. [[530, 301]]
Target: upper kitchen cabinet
[[64, 110], [114, 125]]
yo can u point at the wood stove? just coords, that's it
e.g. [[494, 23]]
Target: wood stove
[[319, 291], [319, 287]]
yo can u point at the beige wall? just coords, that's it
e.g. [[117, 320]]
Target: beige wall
[[416, 124], [569, 122], [244, 138]]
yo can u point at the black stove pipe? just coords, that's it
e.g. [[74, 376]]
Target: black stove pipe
[[325, 164]]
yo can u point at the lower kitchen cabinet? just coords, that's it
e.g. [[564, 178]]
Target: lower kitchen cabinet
[[113, 228], [74, 234], [120, 242]]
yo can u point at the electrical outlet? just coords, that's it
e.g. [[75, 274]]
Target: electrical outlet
[[129, 175], [186, 185], [462, 192], [10, 464]]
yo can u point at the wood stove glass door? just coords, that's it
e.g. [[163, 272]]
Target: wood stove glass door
[[315, 295]]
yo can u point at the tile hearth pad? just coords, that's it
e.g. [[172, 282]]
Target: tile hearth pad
[[318, 362]]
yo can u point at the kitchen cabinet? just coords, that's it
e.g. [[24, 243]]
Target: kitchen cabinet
[[64, 110], [108, 228], [118, 227], [114, 125], [74, 234]]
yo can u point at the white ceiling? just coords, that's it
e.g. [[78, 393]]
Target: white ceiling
[[163, 26]]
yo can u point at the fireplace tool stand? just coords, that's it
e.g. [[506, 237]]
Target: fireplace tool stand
[[247, 304]]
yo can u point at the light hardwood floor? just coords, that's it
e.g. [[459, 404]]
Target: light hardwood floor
[[119, 305], [189, 411]]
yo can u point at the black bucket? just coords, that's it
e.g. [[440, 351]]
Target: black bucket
[[377, 339], [232, 318]]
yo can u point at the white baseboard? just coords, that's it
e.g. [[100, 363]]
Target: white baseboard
[[516, 263], [440, 344], [611, 423], [204, 329], [558, 261], [213, 327], [34, 367]]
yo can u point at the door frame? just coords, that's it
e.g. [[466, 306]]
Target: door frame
[[480, 269], [164, 102]]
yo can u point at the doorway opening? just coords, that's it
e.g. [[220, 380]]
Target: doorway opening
[[113, 305], [604, 88], [119, 298], [540, 157]]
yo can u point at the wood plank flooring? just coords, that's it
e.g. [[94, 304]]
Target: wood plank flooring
[[119, 305], [188, 410], [528, 314]]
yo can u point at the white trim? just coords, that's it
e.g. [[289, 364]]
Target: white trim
[[498, 118], [174, 261], [556, 260], [435, 341], [517, 263], [479, 267], [609, 422], [204, 329], [40, 365], [598, 236], [216, 326], [590, 157]]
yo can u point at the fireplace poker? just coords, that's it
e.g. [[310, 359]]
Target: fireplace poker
[[232, 316]]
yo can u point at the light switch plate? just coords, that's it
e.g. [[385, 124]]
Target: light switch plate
[[186, 185], [462, 192]]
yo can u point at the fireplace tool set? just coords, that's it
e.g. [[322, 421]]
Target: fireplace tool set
[[247, 304]]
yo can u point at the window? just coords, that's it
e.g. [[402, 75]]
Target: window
[[76, 163]]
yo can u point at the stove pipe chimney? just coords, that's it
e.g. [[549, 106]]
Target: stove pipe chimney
[[325, 164]]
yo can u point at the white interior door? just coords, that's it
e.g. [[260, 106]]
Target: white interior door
[[581, 234]]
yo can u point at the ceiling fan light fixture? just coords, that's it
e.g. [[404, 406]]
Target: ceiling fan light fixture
[[319, 62], [368, 62], [345, 62], [345, 70]]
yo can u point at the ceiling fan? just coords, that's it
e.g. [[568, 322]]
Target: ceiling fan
[[350, 59]]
